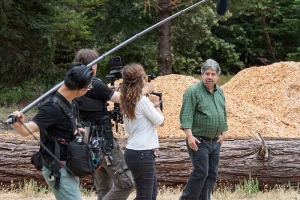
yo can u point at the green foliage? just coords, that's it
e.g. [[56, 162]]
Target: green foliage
[[119, 21], [199, 35], [293, 56], [24, 39], [39, 39], [250, 186], [187, 66], [224, 79], [38, 42], [71, 31], [282, 25], [21, 94]]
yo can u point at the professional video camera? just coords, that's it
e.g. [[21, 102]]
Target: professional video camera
[[115, 64]]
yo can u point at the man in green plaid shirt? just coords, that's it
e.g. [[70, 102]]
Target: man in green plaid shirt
[[203, 119]]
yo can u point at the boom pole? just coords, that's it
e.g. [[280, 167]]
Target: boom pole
[[136, 36]]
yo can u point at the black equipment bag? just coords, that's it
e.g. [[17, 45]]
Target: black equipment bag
[[36, 160], [79, 159]]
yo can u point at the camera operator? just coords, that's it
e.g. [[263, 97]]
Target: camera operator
[[113, 181]]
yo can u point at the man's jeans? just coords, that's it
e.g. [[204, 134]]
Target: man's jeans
[[204, 175], [114, 182], [142, 165]]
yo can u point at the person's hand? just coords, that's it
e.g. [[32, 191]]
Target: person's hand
[[154, 99], [112, 87], [19, 115], [192, 142], [148, 88], [222, 138], [155, 153], [82, 131]]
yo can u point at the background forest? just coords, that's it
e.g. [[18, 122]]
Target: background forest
[[39, 39]]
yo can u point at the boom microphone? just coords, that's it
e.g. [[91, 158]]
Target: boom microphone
[[136, 36], [222, 6]]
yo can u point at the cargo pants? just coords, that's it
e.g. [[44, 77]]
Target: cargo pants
[[114, 182]]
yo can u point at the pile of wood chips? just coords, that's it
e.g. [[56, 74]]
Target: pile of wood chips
[[265, 99], [262, 99]]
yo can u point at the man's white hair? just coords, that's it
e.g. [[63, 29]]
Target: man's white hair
[[211, 64]]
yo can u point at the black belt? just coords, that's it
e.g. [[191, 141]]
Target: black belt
[[208, 138], [150, 151]]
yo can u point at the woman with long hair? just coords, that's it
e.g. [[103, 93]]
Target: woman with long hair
[[141, 115]]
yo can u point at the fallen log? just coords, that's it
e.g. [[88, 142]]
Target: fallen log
[[239, 159]]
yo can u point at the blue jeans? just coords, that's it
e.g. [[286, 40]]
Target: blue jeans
[[142, 166], [69, 185], [204, 175]]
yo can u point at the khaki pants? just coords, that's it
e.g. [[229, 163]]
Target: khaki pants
[[114, 182]]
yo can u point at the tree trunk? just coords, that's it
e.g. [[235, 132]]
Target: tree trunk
[[164, 39], [238, 161], [263, 20]]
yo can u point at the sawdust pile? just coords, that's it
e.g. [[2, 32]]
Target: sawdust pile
[[264, 99]]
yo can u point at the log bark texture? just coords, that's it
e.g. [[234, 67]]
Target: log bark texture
[[237, 161]]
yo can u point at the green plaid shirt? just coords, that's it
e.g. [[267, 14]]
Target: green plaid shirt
[[202, 112]]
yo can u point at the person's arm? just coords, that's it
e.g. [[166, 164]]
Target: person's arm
[[186, 118], [150, 111], [155, 100], [103, 92], [222, 137], [20, 128], [157, 107], [191, 139], [115, 97]]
